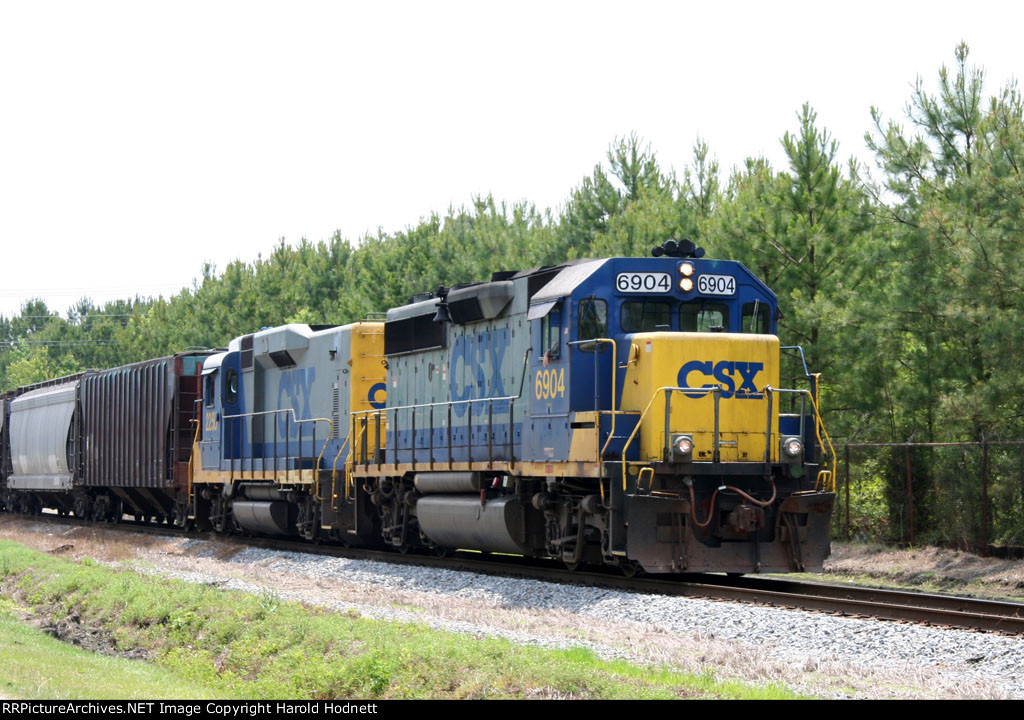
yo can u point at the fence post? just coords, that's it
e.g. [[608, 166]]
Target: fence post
[[910, 497], [984, 496], [846, 450]]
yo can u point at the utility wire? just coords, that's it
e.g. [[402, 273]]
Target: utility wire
[[88, 313], [16, 343]]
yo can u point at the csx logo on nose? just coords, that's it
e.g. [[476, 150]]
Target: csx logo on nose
[[724, 373]]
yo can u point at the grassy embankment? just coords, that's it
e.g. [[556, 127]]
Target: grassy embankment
[[199, 641], [923, 569]]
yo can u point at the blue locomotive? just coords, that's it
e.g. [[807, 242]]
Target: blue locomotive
[[623, 411]]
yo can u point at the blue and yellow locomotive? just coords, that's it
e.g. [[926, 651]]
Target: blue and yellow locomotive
[[624, 411]]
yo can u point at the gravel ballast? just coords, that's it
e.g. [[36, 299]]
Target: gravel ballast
[[813, 653]]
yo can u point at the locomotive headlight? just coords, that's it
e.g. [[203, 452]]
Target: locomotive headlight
[[686, 284], [686, 269], [792, 448], [682, 448]]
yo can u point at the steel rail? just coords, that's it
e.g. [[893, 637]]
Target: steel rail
[[904, 606]]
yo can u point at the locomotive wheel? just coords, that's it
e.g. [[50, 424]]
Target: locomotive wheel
[[181, 518], [311, 530], [630, 568], [308, 521], [335, 536], [219, 514]]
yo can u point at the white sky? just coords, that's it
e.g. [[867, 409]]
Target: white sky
[[140, 139]]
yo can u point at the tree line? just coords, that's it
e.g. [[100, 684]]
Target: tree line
[[904, 282]]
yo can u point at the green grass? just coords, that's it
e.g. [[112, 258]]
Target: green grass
[[260, 646], [35, 665]]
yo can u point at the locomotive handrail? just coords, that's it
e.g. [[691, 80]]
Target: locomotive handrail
[[449, 404], [191, 459], [716, 390], [597, 409], [825, 477], [768, 390], [803, 360], [436, 404], [668, 390], [813, 378], [334, 470], [349, 461], [288, 412]]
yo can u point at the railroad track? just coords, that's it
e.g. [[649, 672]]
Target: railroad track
[[896, 605]]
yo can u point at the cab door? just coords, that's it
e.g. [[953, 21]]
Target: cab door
[[232, 405], [592, 362], [549, 381]]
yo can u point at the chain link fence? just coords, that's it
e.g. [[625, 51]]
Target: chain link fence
[[966, 495]]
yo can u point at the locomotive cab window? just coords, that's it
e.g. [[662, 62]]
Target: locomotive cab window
[[551, 332], [645, 316], [231, 387], [593, 323], [704, 317], [755, 318], [208, 390]]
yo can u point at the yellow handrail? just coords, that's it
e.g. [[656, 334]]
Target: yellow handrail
[[826, 478], [191, 459], [611, 432], [320, 457], [640, 422], [351, 460]]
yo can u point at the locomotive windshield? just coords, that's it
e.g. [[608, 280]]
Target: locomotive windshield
[[645, 316], [703, 317], [593, 322], [698, 316], [755, 318]]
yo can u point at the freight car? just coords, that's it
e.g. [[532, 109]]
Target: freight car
[[104, 443], [623, 411]]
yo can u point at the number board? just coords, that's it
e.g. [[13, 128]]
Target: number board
[[643, 282], [716, 285]]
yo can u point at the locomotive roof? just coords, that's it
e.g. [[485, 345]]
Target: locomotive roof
[[567, 280], [426, 302]]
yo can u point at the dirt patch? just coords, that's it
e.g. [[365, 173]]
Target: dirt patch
[[929, 568], [70, 627]]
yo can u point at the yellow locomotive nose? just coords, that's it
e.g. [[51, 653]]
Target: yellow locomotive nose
[[740, 366]]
